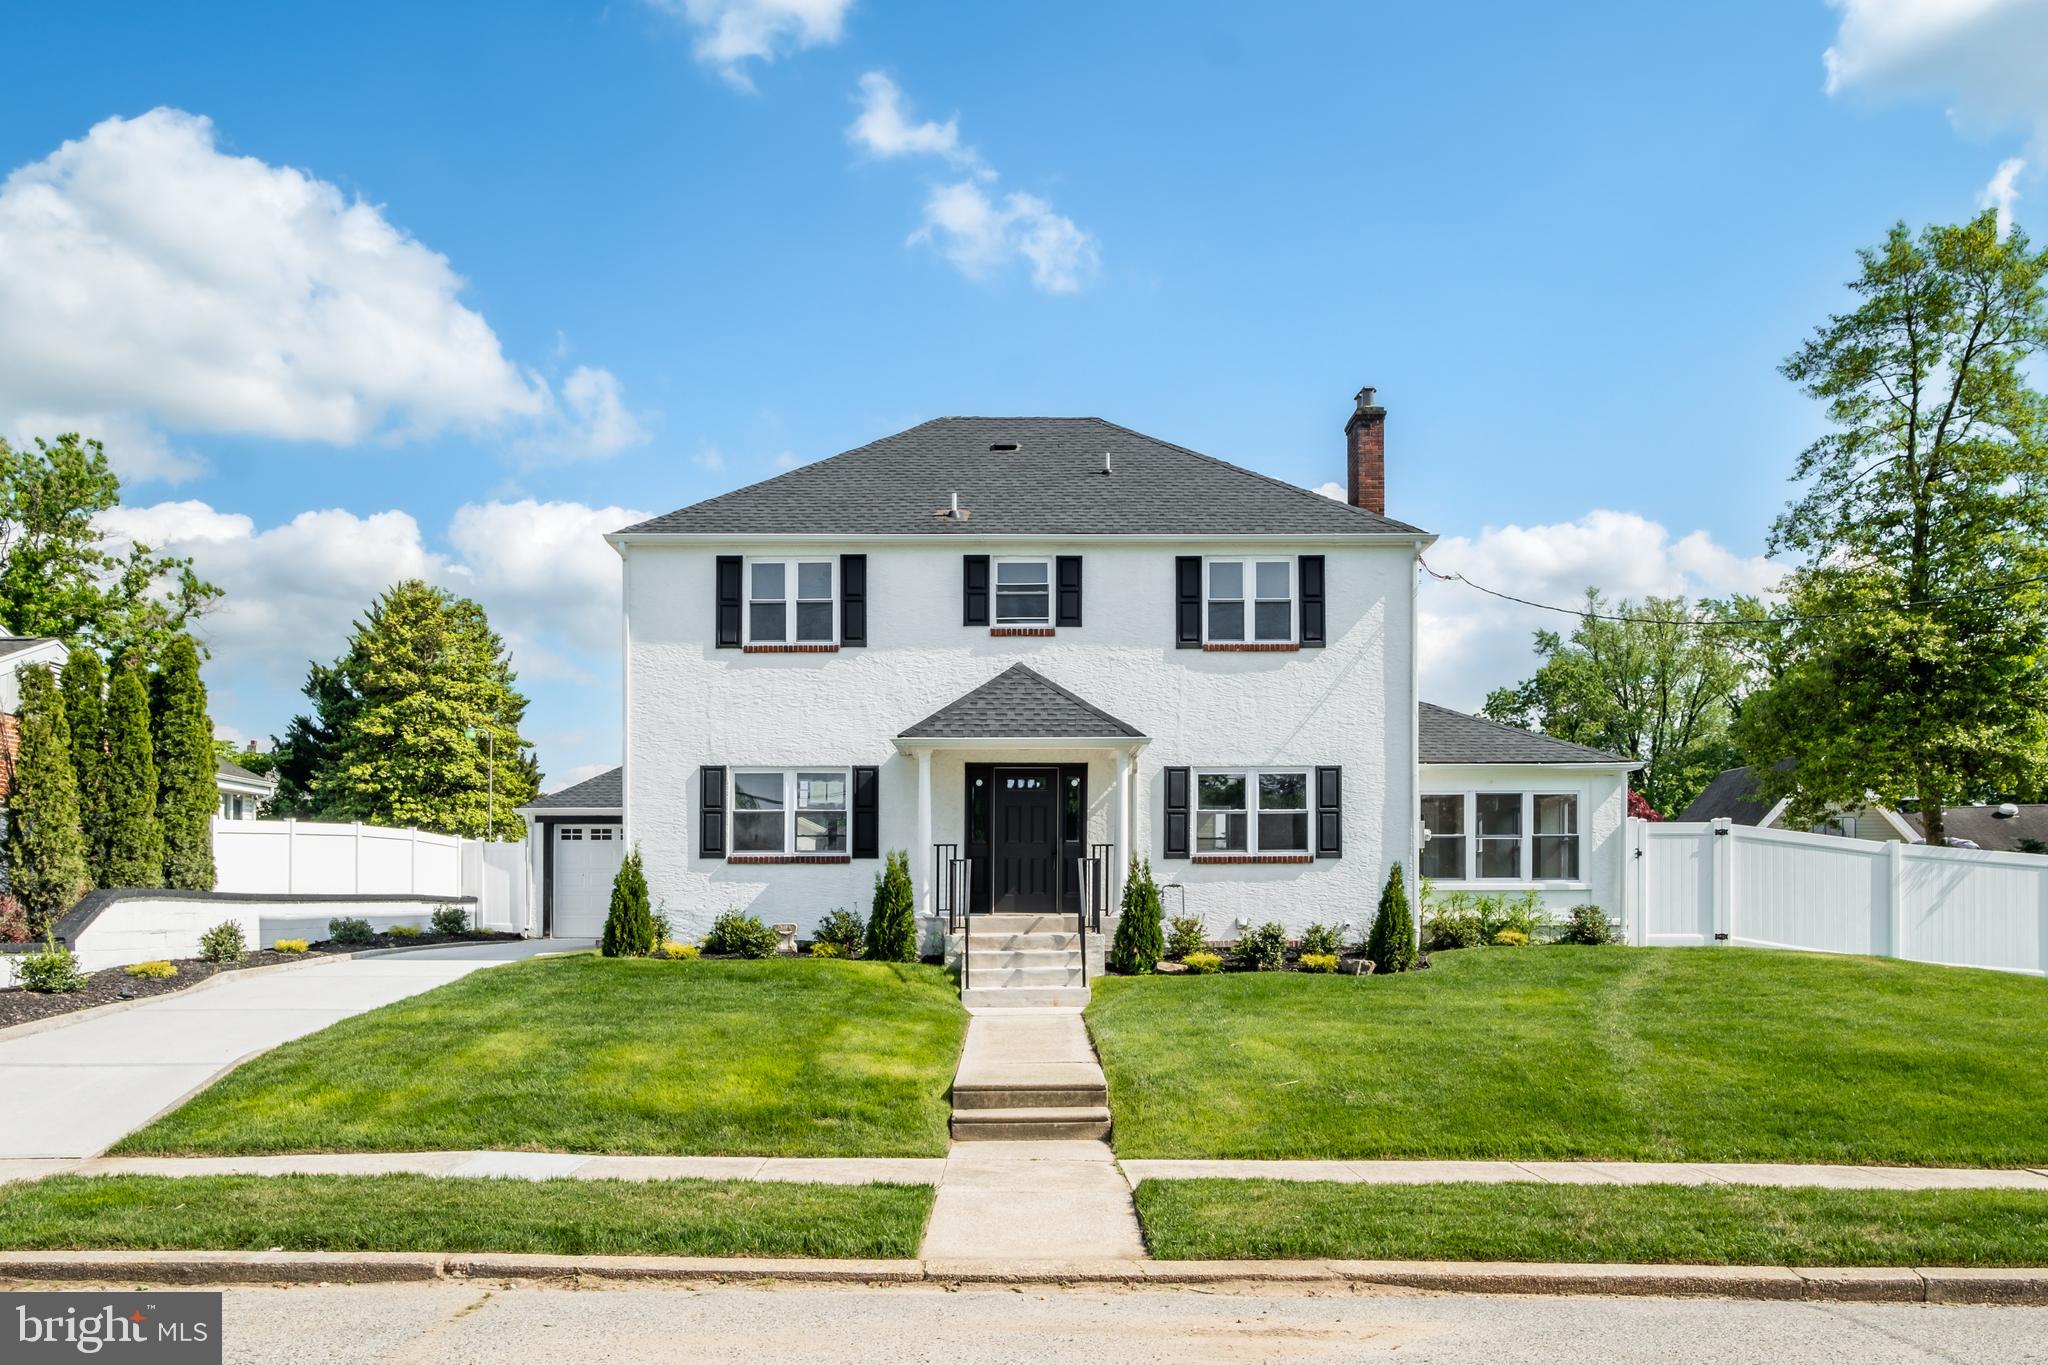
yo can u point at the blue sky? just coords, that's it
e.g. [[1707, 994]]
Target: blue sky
[[389, 289]]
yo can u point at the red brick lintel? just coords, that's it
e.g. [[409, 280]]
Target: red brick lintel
[[789, 858], [792, 649], [1250, 649], [1022, 632], [1254, 858]]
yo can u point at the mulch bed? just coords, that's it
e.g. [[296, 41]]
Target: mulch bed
[[114, 983]]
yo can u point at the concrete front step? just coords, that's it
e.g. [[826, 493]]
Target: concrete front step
[[997, 943], [1031, 1123], [1021, 924], [1000, 959], [1000, 978], [1025, 997], [967, 1099]]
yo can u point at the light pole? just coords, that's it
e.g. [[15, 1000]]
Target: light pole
[[490, 780]]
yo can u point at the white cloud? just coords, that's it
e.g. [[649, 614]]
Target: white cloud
[[884, 128], [591, 422], [151, 282], [2002, 192], [731, 33], [1472, 643], [979, 235], [1332, 489], [543, 568]]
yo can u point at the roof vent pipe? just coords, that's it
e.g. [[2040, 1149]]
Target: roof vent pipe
[[954, 510], [1105, 462]]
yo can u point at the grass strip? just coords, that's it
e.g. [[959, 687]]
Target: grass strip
[[1640, 1224], [590, 1054], [1612, 1053], [449, 1214]]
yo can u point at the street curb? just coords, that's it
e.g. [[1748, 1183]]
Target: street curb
[[1876, 1284]]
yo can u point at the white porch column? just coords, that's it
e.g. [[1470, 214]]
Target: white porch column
[[921, 857], [1120, 829]]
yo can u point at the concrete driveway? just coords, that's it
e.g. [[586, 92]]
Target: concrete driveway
[[75, 1090]]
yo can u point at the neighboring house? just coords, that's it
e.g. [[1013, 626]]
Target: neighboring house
[[243, 794], [2004, 828], [1734, 795], [1028, 642]]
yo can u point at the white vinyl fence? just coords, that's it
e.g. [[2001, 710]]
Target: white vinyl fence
[[309, 858], [1721, 883]]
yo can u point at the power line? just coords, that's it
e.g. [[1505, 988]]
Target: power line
[[1584, 613]]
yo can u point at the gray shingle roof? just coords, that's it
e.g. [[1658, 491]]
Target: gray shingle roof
[[1732, 795], [1052, 484], [1987, 829], [223, 768], [603, 792], [1448, 736], [1019, 703]]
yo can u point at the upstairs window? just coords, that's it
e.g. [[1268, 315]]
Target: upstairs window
[[790, 601], [1251, 812], [1023, 592], [1249, 601]]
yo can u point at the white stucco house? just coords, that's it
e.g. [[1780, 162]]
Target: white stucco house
[[1024, 648]]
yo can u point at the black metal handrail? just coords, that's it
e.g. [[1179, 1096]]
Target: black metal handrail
[[1099, 855], [952, 879], [1081, 873]]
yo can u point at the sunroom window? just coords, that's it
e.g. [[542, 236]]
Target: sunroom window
[[1501, 837], [1443, 856], [1250, 601], [790, 601]]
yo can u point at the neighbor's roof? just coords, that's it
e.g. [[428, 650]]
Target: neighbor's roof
[[1732, 796], [1986, 828], [1448, 736], [1019, 703], [1052, 484], [235, 772], [16, 644], [606, 791]]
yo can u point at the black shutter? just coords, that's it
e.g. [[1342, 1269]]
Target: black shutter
[[853, 600], [1329, 812], [1187, 608], [1176, 812], [1312, 602], [867, 813], [1067, 573], [728, 601], [974, 590], [711, 805]]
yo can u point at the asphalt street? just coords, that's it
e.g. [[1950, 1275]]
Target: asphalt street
[[818, 1325]]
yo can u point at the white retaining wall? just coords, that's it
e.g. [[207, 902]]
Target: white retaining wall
[[1721, 883], [311, 858]]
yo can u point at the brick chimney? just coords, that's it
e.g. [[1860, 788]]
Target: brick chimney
[[1365, 454]]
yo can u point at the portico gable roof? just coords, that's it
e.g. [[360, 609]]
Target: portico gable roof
[[1019, 703]]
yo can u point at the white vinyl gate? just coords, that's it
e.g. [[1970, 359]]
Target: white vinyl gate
[[1722, 883], [587, 859]]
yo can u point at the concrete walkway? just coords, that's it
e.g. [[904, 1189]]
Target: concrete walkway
[[75, 1089]]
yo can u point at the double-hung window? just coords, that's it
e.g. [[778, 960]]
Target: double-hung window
[[791, 601], [1023, 592], [790, 810], [1249, 601], [1246, 811], [1501, 837]]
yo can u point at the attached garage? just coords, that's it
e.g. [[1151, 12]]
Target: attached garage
[[578, 842]]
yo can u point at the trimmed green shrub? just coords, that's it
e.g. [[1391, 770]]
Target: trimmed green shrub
[[842, 930], [157, 970], [629, 928], [680, 952], [1140, 941], [404, 931], [450, 920], [350, 932], [1587, 924], [1185, 934], [892, 918], [44, 845], [1449, 929], [1391, 945], [1204, 963], [1318, 962], [134, 835], [738, 934], [290, 945], [84, 684], [1323, 940], [223, 942], [1263, 949], [186, 798], [53, 971], [1511, 938]]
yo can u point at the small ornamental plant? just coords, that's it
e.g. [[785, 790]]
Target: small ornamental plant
[[290, 945], [1318, 962], [1511, 938], [1391, 945], [1321, 940], [629, 928], [831, 950], [1587, 924], [450, 920], [1263, 949], [892, 917], [843, 931], [404, 931], [1185, 934], [1203, 963], [679, 952], [156, 970], [738, 934], [223, 942], [53, 971], [350, 932], [1140, 941]]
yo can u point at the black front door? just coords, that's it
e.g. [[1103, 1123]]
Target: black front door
[[1025, 856]]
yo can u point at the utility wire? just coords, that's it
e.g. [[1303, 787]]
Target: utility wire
[[1584, 614]]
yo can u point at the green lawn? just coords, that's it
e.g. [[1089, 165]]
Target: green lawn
[[1700, 1225], [426, 1213], [1560, 1052], [589, 1054]]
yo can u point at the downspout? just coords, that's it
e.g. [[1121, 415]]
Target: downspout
[[1413, 818], [626, 700]]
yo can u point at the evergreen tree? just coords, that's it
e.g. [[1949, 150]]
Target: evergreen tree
[[44, 846], [1391, 944], [1140, 938], [629, 929], [417, 724], [892, 919], [134, 838], [85, 710], [187, 797]]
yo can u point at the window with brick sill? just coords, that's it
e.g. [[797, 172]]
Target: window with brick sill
[[789, 815], [1250, 815]]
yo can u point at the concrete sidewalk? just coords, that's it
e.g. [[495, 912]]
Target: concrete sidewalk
[[75, 1089], [1784, 1174]]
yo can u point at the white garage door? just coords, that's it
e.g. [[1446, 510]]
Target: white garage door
[[587, 857]]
